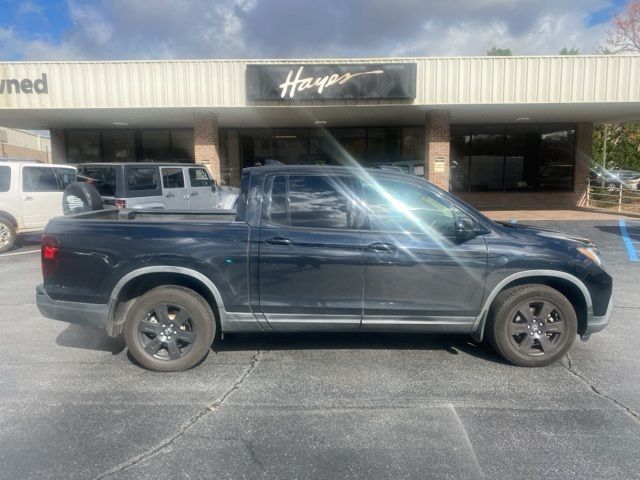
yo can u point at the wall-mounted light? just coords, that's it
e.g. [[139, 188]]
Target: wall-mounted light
[[120, 124], [523, 119]]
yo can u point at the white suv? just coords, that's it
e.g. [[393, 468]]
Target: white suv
[[30, 195]]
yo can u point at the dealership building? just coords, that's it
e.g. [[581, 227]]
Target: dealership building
[[497, 131]]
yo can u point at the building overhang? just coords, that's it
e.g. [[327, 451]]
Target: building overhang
[[168, 93]]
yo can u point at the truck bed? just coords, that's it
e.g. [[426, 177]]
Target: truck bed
[[168, 216]]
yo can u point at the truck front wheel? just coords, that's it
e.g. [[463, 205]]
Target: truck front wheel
[[532, 325], [169, 329]]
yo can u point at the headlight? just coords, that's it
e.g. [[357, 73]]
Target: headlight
[[591, 253]]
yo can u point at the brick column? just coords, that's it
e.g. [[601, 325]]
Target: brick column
[[584, 154], [58, 145], [206, 143], [437, 137]]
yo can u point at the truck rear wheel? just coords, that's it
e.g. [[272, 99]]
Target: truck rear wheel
[[169, 329], [7, 235], [532, 325]]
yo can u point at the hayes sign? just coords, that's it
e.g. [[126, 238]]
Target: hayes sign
[[25, 85], [313, 82]]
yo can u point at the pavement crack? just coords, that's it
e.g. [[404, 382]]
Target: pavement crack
[[569, 366], [249, 446], [189, 424]]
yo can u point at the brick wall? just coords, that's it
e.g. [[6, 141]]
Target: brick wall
[[206, 143], [12, 151], [437, 138]]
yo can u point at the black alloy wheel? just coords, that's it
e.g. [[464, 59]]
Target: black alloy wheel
[[169, 328], [531, 325]]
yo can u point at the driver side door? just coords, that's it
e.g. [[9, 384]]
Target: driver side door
[[416, 271]]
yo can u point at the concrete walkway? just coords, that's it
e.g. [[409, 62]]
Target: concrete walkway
[[566, 214]]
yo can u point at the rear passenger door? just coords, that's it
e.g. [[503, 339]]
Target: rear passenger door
[[310, 253], [40, 195], [200, 191], [174, 190]]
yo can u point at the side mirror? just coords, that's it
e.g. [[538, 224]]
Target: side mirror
[[466, 228]]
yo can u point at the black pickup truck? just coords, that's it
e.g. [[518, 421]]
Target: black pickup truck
[[322, 249]]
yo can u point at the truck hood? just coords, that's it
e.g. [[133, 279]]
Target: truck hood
[[544, 232]]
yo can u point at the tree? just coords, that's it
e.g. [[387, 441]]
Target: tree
[[624, 35], [499, 52], [623, 145], [569, 51]]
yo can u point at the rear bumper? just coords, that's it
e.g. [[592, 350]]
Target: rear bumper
[[92, 314], [597, 324]]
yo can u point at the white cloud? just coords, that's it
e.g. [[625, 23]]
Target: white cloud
[[114, 29]]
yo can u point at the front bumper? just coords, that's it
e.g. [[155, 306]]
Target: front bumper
[[597, 324], [92, 314]]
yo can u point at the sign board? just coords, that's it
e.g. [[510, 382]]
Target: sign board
[[327, 82], [438, 165]]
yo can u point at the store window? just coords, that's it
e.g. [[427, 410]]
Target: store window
[[182, 146], [413, 144], [291, 146], [460, 149], [556, 158], [156, 145], [83, 146], [512, 158], [384, 145], [118, 146], [349, 145], [486, 169]]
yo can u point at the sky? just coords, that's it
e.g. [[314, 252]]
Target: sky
[[175, 29]]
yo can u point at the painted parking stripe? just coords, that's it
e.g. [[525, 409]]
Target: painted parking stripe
[[19, 253], [631, 251]]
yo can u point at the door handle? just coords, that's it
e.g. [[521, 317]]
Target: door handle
[[278, 241], [382, 247], [27, 197], [194, 194], [169, 195]]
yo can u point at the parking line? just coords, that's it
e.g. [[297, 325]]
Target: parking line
[[18, 253], [631, 251]]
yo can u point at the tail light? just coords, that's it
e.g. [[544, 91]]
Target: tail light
[[121, 203], [49, 254]]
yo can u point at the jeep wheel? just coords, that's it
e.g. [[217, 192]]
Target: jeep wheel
[[7, 235], [532, 325], [169, 329]]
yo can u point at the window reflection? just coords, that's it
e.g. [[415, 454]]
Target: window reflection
[[556, 160]]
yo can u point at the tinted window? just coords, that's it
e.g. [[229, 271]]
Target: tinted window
[[172, 178], [5, 178], [83, 146], [556, 158], [39, 179], [487, 159], [404, 207], [199, 177], [67, 175], [310, 201], [156, 145], [104, 179], [118, 146], [142, 178]]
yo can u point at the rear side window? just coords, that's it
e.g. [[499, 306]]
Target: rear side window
[[199, 177], [104, 179], [142, 178], [311, 202], [66, 175], [39, 179], [172, 178], [5, 178]]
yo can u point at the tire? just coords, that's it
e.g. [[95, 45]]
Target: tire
[[81, 197], [521, 336], [7, 235], [175, 340]]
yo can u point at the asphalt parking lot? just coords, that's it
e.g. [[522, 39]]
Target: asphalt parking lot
[[320, 406]]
